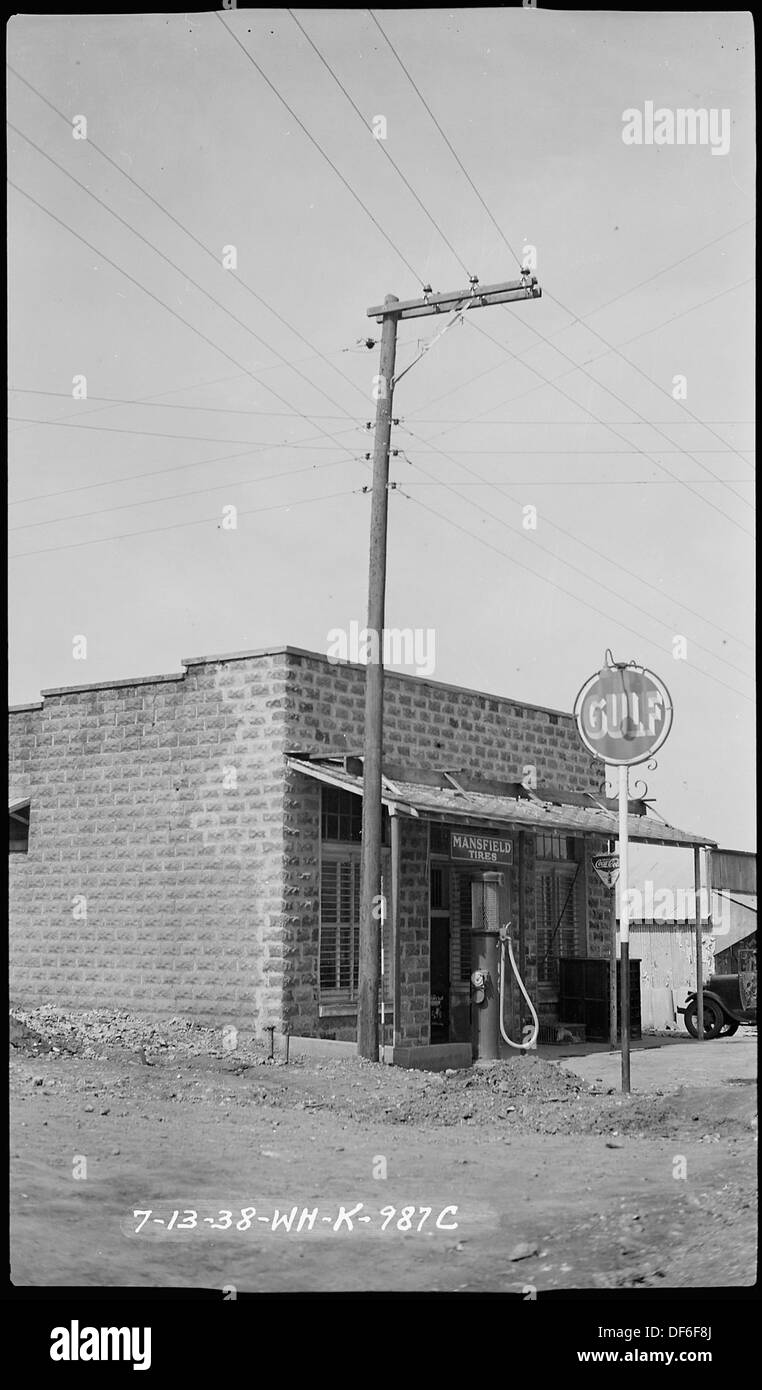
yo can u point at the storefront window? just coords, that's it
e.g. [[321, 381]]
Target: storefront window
[[339, 924], [556, 847], [339, 951], [341, 815], [560, 907]]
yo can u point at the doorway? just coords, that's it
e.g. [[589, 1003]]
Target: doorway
[[440, 979], [439, 953]]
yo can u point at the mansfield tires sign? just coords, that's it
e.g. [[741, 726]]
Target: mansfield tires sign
[[480, 849]]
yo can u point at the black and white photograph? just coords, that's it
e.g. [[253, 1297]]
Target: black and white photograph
[[382, 871]]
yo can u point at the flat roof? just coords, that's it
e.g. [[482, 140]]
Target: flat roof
[[284, 650]]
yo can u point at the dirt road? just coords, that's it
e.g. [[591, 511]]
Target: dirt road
[[557, 1182]]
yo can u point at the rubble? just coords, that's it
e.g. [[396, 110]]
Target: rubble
[[525, 1094], [98, 1034]]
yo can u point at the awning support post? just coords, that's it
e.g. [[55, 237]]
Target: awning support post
[[394, 821], [699, 944]]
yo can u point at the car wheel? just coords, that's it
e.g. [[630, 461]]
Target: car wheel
[[713, 1019], [730, 1027]]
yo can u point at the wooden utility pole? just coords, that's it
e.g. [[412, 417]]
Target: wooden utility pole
[[388, 315], [369, 975]]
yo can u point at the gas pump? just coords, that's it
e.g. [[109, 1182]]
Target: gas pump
[[486, 895], [491, 944]]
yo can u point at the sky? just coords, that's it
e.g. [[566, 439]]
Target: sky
[[213, 385]]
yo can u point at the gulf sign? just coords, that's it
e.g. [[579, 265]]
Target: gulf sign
[[623, 714]]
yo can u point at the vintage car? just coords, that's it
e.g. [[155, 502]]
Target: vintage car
[[729, 1000]]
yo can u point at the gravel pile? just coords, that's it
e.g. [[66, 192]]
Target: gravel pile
[[98, 1034], [503, 1091]]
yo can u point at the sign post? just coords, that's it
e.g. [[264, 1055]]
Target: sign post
[[624, 928], [623, 714]]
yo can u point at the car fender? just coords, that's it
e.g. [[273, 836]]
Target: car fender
[[708, 994]]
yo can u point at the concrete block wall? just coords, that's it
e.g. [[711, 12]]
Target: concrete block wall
[[162, 809], [434, 725], [157, 809], [426, 724]]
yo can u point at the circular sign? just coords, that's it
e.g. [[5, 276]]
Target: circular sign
[[623, 714]]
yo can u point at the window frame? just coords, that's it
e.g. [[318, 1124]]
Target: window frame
[[342, 999], [16, 816], [562, 873]]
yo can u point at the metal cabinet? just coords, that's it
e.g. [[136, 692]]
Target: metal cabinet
[[584, 996]]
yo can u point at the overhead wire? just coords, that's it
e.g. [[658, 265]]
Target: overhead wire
[[319, 147], [679, 450], [561, 587], [532, 329], [179, 525], [600, 555], [381, 144], [520, 395], [169, 261], [194, 492], [244, 285], [186, 322]]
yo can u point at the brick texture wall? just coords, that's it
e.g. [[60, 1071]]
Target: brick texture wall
[[425, 724], [162, 810], [158, 809]]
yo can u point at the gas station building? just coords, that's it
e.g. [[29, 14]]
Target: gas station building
[[190, 844]]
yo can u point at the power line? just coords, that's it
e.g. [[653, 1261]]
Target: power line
[[319, 148], [618, 434], [657, 273], [594, 482], [609, 346], [563, 453], [243, 453], [131, 477], [161, 302], [212, 299], [553, 382], [243, 284], [179, 525], [574, 317], [601, 555], [520, 395], [381, 145], [640, 371], [174, 496], [455, 156], [562, 588], [547, 424], [722, 294], [537, 544], [196, 438], [151, 403]]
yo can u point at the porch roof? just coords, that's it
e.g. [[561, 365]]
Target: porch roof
[[455, 801]]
